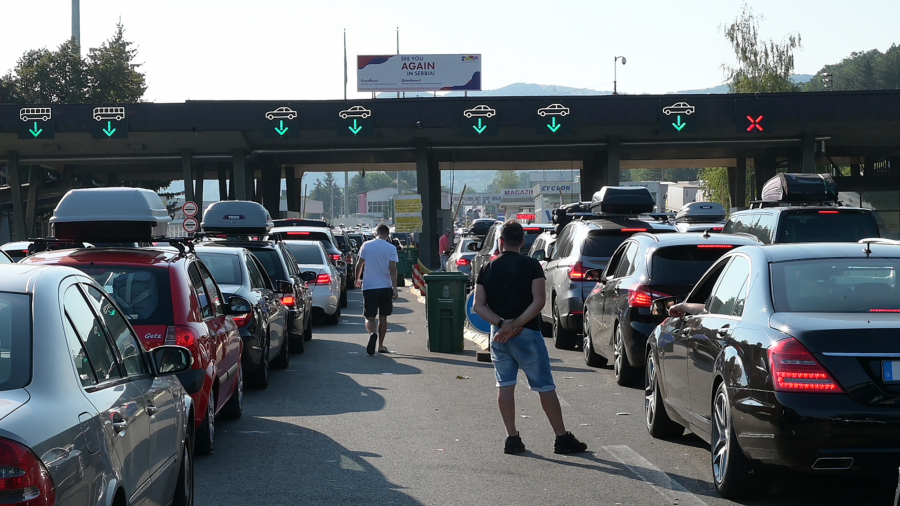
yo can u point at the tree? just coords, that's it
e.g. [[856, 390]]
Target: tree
[[330, 194], [508, 179], [762, 65], [360, 184], [863, 70], [114, 77]]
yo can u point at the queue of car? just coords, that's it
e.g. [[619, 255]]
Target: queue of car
[[160, 334]]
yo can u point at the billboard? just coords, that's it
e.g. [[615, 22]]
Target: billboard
[[418, 72], [408, 213]]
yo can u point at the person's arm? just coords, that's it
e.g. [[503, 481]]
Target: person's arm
[[359, 270], [481, 308], [537, 302], [394, 279], [679, 310]]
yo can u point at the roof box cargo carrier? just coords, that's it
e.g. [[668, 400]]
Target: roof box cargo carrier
[[622, 200], [239, 217], [110, 215], [701, 212], [788, 187]]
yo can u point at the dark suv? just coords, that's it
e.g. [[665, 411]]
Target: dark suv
[[617, 316], [490, 246], [583, 244]]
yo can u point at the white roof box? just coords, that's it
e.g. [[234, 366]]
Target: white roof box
[[236, 217], [701, 212], [110, 215]]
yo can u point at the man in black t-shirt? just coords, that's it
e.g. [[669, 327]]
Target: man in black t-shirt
[[509, 293]]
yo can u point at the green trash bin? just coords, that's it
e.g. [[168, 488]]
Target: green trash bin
[[413, 254], [404, 270], [445, 310]]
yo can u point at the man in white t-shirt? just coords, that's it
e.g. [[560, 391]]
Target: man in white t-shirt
[[376, 273]]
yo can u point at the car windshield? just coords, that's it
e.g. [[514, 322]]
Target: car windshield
[[15, 340], [306, 253], [143, 293], [842, 285], [271, 263], [826, 226], [683, 265], [225, 268]]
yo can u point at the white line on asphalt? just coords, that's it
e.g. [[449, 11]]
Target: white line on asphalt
[[563, 402], [670, 489]]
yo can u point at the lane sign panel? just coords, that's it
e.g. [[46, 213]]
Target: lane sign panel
[[281, 123], [355, 121], [109, 123], [553, 119], [753, 116], [480, 120], [677, 117], [190, 209], [37, 123]]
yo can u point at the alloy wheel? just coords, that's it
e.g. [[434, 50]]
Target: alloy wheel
[[650, 391], [619, 352], [211, 417], [721, 447]]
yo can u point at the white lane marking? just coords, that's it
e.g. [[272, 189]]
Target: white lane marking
[[670, 489], [563, 402]]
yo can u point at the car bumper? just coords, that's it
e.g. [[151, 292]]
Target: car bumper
[[816, 432], [571, 309], [324, 300], [636, 334]]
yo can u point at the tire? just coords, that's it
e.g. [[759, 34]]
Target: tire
[[659, 425], [206, 434], [260, 377], [562, 339], [626, 375], [333, 319], [733, 474], [591, 358], [297, 343], [184, 487], [234, 408], [283, 360], [343, 299], [546, 328], [307, 332]]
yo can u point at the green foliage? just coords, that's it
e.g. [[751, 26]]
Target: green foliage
[[670, 175], [508, 180], [107, 75], [762, 65], [714, 183], [330, 194], [372, 181], [868, 70]]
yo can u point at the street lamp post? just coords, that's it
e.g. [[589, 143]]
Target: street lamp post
[[615, 73]]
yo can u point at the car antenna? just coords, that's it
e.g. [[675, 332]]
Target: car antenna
[[868, 250], [706, 234]]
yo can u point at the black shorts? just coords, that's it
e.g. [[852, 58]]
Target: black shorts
[[378, 301]]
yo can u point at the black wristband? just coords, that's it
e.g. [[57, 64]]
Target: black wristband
[[500, 323]]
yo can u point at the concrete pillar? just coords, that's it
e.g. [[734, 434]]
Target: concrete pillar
[[428, 176], [613, 166], [34, 183], [290, 184], [854, 171], [794, 160], [16, 186], [764, 167], [187, 175], [594, 173], [222, 173], [239, 175], [112, 179], [808, 153], [198, 191], [299, 191], [738, 187], [270, 188]]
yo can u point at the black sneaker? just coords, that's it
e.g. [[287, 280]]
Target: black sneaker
[[567, 443], [373, 339], [513, 445]]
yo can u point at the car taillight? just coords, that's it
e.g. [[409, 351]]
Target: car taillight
[[633, 230], [641, 296], [288, 300], [323, 279], [794, 369], [715, 246], [182, 336], [298, 233], [884, 310], [335, 257], [462, 262], [23, 478], [576, 272], [715, 229], [829, 212], [495, 254]]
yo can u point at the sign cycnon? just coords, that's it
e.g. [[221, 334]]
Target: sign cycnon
[[190, 209], [190, 225]]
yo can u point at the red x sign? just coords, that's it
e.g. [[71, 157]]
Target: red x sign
[[755, 123]]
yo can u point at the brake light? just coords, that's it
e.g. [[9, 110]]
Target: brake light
[[182, 336], [884, 310], [641, 296], [462, 262], [715, 246], [495, 254], [794, 369], [576, 273], [531, 229], [829, 212], [288, 300], [633, 230], [335, 257], [23, 478], [242, 320], [298, 233], [716, 229], [323, 279]]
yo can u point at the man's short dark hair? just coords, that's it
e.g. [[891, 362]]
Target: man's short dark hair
[[512, 233], [382, 230]]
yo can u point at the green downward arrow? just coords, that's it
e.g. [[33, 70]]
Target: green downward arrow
[[355, 129], [555, 127], [109, 130], [680, 125], [283, 130], [479, 128], [36, 131]]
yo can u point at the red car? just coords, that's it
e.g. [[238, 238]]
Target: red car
[[171, 298]]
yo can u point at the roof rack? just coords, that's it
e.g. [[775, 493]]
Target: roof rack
[[184, 245], [41, 244], [274, 235], [761, 204]]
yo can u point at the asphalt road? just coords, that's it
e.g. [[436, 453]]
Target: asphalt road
[[411, 427]]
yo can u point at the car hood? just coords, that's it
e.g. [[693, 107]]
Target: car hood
[[12, 400], [841, 332]]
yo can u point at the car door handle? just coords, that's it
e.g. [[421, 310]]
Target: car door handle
[[151, 409], [119, 424], [686, 331], [724, 331]]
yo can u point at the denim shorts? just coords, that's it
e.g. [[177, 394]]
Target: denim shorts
[[526, 351]]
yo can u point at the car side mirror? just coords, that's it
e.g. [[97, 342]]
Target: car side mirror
[[354, 243], [170, 359], [345, 248], [283, 286], [660, 307], [539, 255], [603, 279], [308, 276], [473, 246], [238, 306], [593, 274]]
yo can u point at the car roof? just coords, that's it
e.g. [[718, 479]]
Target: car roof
[[229, 250], [691, 238], [248, 244], [785, 208], [620, 223], [120, 256], [22, 278], [825, 250]]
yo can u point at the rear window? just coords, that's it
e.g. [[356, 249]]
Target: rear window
[[143, 293], [341, 239], [225, 269], [271, 262], [603, 243], [826, 226], [836, 286], [322, 237], [15, 340], [305, 253], [684, 265]]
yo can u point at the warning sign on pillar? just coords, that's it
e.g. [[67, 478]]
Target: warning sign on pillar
[[190, 225], [190, 209]]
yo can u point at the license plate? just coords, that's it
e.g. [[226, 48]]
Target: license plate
[[890, 370]]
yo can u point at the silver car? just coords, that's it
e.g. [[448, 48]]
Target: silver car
[[461, 257], [326, 281], [88, 416]]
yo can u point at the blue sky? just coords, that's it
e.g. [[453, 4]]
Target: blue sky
[[291, 49]]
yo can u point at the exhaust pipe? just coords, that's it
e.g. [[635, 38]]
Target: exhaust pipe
[[833, 463]]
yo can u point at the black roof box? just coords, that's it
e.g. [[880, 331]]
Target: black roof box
[[236, 217], [110, 215], [791, 187], [622, 200], [701, 212]]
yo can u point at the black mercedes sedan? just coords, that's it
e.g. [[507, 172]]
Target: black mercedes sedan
[[783, 356]]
